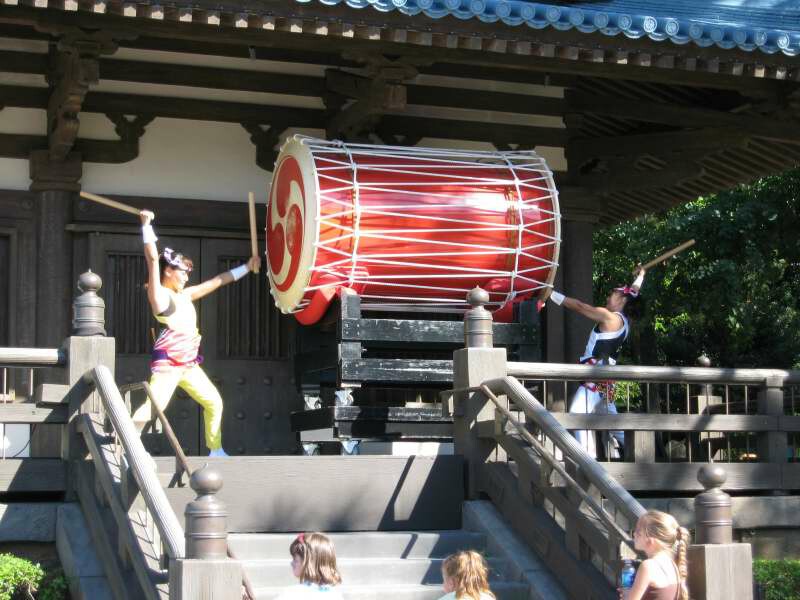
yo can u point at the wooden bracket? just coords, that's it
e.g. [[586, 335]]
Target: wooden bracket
[[373, 96], [265, 141], [72, 70]]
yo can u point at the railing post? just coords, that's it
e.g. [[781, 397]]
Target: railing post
[[718, 568], [772, 445], [87, 348], [712, 508], [206, 572], [473, 412]]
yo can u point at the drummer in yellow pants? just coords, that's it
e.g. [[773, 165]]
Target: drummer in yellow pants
[[176, 353], [195, 382]]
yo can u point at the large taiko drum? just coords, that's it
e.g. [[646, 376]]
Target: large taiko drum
[[409, 229]]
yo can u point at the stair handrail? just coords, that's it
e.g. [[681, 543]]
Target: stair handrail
[[180, 456], [32, 357], [649, 374], [594, 472], [139, 461]]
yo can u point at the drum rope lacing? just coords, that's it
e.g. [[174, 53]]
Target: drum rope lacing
[[529, 171]]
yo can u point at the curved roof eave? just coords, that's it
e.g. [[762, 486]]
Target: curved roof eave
[[747, 24]]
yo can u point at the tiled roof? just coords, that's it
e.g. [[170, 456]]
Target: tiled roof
[[766, 25]]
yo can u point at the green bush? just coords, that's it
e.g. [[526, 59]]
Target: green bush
[[780, 578], [18, 576]]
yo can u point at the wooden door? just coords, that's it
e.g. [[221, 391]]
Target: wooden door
[[246, 344], [119, 260]]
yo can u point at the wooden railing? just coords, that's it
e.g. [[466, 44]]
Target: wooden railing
[[677, 418], [33, 464], [150, 535]]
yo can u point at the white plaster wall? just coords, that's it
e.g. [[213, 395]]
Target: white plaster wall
[[185, 159]]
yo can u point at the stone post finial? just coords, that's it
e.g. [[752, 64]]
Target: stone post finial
[[712, 508], [89, 309], [478, 321], [206, 515]]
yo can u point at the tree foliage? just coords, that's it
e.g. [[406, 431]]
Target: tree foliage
[[734, 295]]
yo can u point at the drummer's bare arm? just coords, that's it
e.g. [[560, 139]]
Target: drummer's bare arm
[[211, 285], [157, 296], [607, 320]]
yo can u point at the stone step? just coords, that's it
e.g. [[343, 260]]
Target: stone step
[[364, 571], [333, 493], [502, 590], [415, 544]]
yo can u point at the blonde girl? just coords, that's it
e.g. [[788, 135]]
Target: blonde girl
[[663, 575], [466, 577], [314, 565]]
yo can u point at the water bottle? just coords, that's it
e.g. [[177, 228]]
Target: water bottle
[[626, 577]]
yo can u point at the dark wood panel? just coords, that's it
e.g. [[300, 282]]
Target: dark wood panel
[[128, 316], [32, 475], [397, 370], [357, 493], [429, 332], [247, 346]]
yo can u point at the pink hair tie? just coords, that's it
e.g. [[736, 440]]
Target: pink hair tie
[[627, 291], [301, 537]]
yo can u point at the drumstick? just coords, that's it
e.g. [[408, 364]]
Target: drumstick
[[668, 254], [251, 201], [112, 203]]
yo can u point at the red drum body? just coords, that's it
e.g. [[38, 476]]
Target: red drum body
[[409, 229]]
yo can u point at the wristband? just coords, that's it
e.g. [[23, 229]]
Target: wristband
[[637, 283], [557, 297], [148, 235], [239, 272]]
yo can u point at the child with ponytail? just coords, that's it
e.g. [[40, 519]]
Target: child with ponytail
[[314, 565], [663, 575], [466, 577]]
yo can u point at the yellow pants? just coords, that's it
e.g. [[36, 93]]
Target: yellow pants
[[195, 382]]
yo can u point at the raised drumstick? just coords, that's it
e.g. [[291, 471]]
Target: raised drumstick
[[112, 203], [668, 254], [251, 201]]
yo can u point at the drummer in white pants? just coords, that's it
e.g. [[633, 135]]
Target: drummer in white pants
[[605, 341]]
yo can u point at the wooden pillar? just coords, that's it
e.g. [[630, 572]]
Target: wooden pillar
[[577, 230], [54, 184]]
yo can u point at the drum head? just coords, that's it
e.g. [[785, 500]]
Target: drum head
[[292, 212]]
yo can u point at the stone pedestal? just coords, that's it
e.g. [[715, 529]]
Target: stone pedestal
[[720, 572]]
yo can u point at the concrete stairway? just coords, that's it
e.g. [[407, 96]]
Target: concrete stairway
[[401, 565], [392, 519]]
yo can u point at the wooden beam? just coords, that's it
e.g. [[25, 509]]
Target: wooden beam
[[683, 476], [475, 130], [672, 422], [628, 179], [283, 83], [97, 151], [239, 112], [682, 116], [656, 144]]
